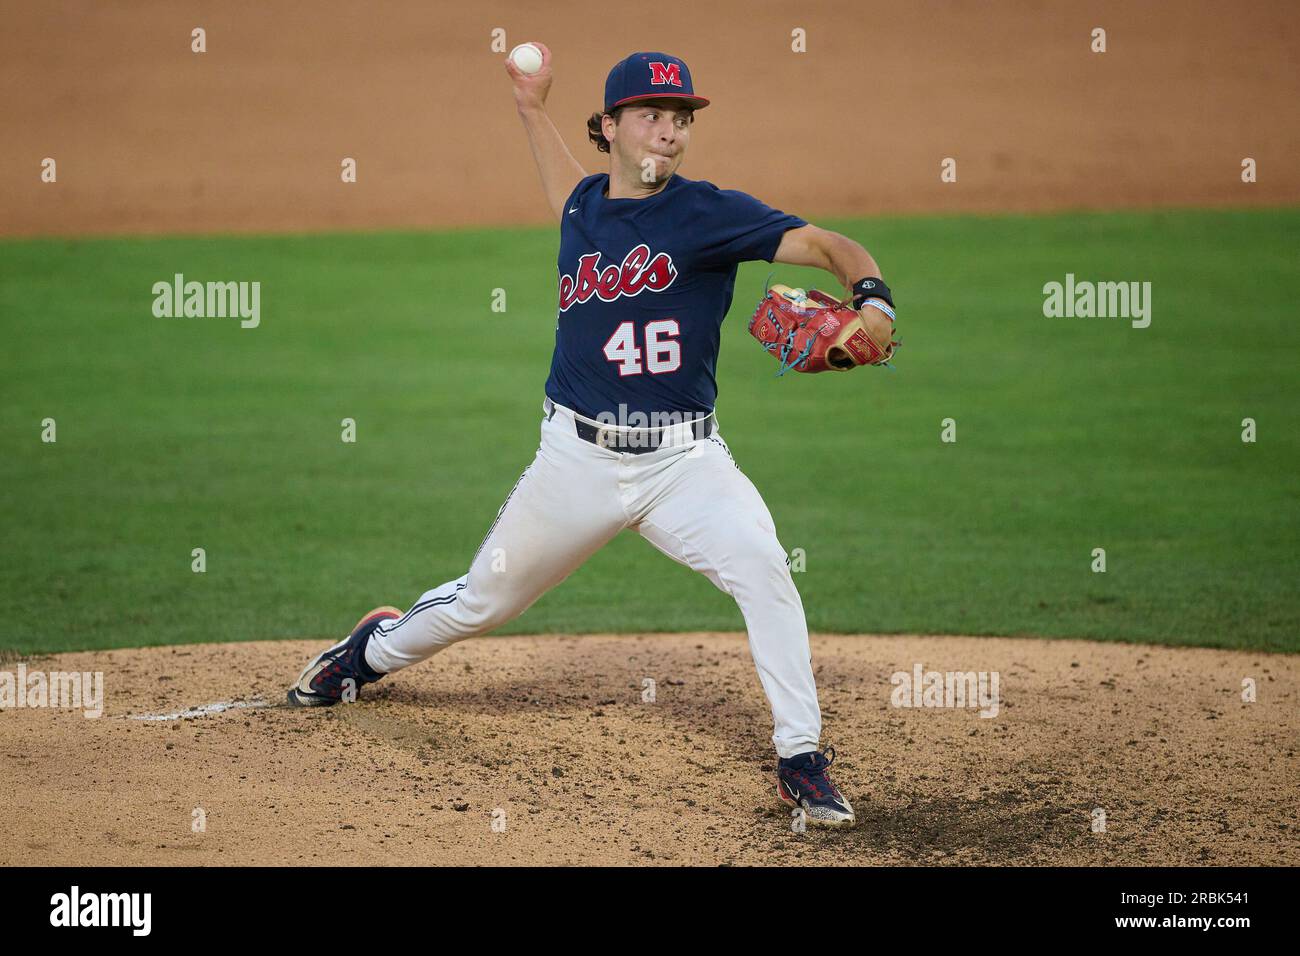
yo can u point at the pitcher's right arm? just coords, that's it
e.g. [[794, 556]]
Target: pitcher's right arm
[[560, 172]]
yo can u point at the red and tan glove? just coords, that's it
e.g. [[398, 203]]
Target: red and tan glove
[[811, 332]]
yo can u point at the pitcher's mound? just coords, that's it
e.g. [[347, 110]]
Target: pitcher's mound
[[559, 749]]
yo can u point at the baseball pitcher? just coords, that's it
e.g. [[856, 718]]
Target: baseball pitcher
[[629, 437]]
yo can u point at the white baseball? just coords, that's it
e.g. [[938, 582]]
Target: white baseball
[[527, 58]]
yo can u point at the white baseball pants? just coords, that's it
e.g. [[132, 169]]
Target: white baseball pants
[[689, 499]]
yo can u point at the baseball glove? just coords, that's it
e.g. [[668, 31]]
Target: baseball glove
[[811, 332]]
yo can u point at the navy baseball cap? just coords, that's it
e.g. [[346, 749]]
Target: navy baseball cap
[[650, 76]]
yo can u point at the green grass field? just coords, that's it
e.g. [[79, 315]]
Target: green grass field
[[1072, 434]]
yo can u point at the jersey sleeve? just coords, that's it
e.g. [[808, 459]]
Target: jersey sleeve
[[735, 227]]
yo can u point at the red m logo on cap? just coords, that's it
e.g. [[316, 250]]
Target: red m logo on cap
[[661, 73]]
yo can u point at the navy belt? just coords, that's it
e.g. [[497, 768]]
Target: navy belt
[[637, 441]]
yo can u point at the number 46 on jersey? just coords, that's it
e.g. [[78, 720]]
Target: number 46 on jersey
[[662, 350]]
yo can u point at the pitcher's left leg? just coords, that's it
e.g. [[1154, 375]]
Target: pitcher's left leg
[[709, 516]]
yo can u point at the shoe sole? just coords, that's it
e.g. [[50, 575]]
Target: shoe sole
[[847, 822], [296, 697]]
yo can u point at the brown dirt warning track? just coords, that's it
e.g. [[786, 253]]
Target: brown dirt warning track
[[249, 136], [551, 735]]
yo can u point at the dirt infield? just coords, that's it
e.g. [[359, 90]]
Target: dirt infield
[[552, 735], [249, 136]]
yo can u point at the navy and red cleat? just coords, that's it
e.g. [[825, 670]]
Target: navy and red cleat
[[802, 781], [323, 682]]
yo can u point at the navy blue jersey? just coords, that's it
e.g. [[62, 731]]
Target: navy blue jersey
[[644, 286]]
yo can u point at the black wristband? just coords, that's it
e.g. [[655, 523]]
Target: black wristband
[[871, 288]]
